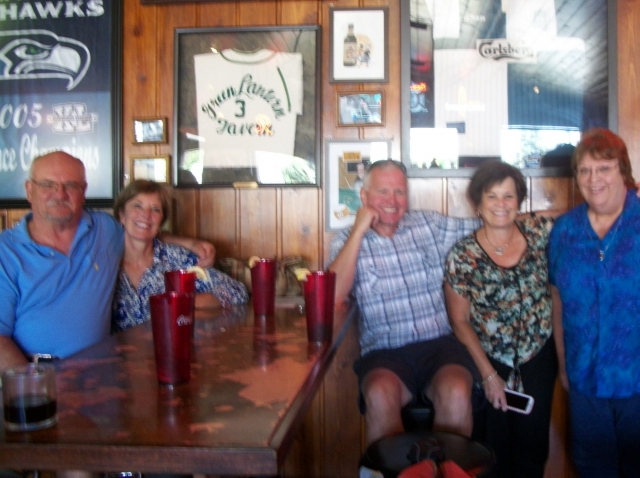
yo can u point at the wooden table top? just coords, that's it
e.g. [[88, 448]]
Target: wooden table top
[[252, 381]]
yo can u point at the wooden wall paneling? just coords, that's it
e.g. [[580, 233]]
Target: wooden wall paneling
[[217, 14], [258, 13], [139, 88], [258, 232], [343, 424], [304, 456], [427, 194], [299, 13], [550, 193], [457, 203], [168, 19], [218, 220], [185, 214], [628, 20], [14, 216], [300, 228]]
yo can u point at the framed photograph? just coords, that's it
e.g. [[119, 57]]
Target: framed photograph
[[247, 106], [152, 168], [149, 130], [346, 163], [62, 91], [516, 81], [359, 49], [360, 108]]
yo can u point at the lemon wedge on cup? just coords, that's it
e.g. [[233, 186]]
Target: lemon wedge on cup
[[252, 261], [200, 272], [302, 273]]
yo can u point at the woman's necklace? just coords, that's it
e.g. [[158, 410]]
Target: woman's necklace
[[499, 250], [603, 251]]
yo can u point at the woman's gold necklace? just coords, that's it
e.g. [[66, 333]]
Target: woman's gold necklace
[[499, 250]]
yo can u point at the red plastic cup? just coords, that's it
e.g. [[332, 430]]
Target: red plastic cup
[[172, 325], [180, 281], [183, 282], [263, 287], [319, 299]]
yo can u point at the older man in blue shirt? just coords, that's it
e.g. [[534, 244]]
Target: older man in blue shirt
[[58, 266], [392, 261]]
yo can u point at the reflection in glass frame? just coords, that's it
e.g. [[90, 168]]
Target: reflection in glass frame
[[359, 50], [151, 168], [149, 130], [504, 86], [346, 162], [360, 108], [262, 125], [64, 94]]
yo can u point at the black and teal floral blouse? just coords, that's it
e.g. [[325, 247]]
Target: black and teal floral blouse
[[510, 307]]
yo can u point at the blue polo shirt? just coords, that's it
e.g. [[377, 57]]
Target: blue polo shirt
[[53, 303]]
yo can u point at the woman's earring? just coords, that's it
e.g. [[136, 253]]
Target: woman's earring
[[478, 213]]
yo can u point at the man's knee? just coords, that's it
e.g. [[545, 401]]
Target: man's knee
[[382, 389], [451, 387]]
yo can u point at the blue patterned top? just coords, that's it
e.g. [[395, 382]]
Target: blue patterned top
[[600, 300], [131, 306], [398, 280]]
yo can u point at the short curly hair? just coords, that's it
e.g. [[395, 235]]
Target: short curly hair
[[494, 172]]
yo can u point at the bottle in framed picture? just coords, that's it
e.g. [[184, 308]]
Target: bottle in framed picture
[[350, 51]]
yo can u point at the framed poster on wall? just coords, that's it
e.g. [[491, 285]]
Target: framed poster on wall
[[246, 106], [359, 50], [346, 163], [60, 89]]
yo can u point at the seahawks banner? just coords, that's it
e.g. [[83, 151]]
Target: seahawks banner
[[57, 89]]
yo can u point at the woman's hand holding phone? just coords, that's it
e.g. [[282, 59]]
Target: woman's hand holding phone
[[494, 392], [519, 402]]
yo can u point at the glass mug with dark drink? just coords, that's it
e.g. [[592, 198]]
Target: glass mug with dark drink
[[29, 397]]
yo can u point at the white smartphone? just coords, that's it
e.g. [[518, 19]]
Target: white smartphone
[[519, 402]]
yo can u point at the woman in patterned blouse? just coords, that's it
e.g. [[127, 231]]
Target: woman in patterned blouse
[[142, 208], [499, 305]]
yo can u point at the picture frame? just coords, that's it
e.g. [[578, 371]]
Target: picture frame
[[152, 168], [360, 108], [227, 138], [345, 164], [149, 130], [359, 51], [72, 101], [489, 80]]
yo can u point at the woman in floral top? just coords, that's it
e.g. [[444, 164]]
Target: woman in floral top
[[499, 305], [142, 207]]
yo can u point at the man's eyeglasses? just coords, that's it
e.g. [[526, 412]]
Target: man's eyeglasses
[[52, 186]]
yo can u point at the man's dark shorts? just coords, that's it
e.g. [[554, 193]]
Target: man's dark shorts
[[416, 364]]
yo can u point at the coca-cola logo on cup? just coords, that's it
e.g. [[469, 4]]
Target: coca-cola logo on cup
[[183, 320]]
